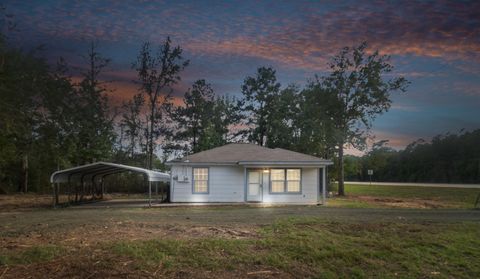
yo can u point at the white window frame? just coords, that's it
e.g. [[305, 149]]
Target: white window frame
[[299, 181], [271, 182], [285, 182], [193, 181]]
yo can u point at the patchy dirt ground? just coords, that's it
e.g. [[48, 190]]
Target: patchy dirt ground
[[24, 201], [18, 235], [27, 221], [85, 240], [20, 202], [99, 264], [84, 234], [402, 203], [77, 227], [369, 201], [94, 234]]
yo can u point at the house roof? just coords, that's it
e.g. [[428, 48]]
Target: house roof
[[249, 154]]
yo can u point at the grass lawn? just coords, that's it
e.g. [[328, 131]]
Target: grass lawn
[[288, 248], [312, 248], [245, 242], [404, 196], [373, 232]]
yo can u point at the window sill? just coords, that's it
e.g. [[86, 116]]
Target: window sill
[[285, 193]]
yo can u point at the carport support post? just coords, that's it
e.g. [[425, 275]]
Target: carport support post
[[149, 193], [103, 187], [54, 195], [57, 190], [324, 188]]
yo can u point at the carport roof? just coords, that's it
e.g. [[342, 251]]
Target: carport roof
[[104, 168]]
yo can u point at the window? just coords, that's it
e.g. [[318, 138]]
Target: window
[[277, 180], [285, 180], [253, 183], [293, 180], [200, 180]]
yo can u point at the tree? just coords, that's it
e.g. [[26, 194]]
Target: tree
[[94, 122], [282, 129], [23, 81], [259, 93], [34, 119], [377, 159], [219, 123], [314, 124], [192, 117], [157, 72], [361, 91], [56, 141], [447, 158], [133, 123], [203, 121]]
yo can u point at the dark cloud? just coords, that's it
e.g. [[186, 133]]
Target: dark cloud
[[435, 44], [299, 35], [431, 29]]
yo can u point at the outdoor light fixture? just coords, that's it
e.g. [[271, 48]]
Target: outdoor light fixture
[[266, 171]]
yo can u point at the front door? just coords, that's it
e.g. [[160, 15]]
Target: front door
[[254, 185]]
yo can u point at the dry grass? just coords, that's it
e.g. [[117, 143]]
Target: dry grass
[[246, 242], [295, 247], [24, 201], [378, 196]]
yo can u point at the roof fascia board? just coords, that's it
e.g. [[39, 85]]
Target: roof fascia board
[[281, 163], [284, 166], [202, 163], [253, 163], [268, 164]]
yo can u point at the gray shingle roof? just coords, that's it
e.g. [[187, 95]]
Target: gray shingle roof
[[238, 153]]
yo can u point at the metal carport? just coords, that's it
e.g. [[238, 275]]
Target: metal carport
[[96, 172]]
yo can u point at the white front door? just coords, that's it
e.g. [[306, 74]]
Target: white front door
[[254, 185]]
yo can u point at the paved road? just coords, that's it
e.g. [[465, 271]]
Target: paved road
[[441, 185]]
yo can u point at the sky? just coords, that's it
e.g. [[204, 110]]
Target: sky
[[434, 44]]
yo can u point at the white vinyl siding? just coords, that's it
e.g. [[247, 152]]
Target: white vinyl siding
[[225, 184], [200, 180], [230, 184]]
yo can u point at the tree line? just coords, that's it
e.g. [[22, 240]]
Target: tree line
[[50, 120], [449, 158]]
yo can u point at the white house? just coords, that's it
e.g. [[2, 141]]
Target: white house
[[242, 172]]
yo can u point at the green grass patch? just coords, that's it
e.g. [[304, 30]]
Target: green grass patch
[[211, 254], [30, 255], [314, 248], [450, 197]]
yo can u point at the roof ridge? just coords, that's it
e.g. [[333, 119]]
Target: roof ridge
[[227, 144], [304, 154]]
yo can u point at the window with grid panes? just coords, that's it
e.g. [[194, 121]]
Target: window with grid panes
[[200, 180]]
